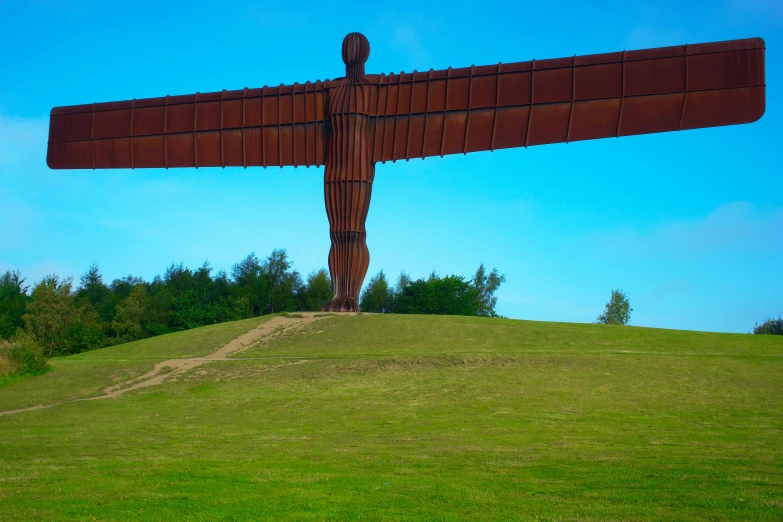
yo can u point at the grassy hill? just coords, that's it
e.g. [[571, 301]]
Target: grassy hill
[[407, 418]]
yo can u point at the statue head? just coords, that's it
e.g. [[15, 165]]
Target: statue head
[[356, 50]]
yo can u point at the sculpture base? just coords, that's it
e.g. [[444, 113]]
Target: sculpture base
[[341, 304]]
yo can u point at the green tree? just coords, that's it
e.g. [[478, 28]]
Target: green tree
[[178, 279], [250, 284], [95, 308], [127, 322], [486, 285], [157, 313], [13, 300], [85, 332], [219, 287], [51, 311], [122, 288], [770, 326], [377, 297], [239, 307], [194, 309], [199, 300], [317, 291], [450, 295], [403, 280], [618, 309], [92, 288], [284, 282]]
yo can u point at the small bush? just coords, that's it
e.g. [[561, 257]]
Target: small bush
[[770, 326], [5, 362], [22, 358]]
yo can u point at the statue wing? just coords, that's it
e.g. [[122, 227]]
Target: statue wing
[[272, 126], [567, 99]]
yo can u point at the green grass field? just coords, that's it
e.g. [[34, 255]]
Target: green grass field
[[407, 418]]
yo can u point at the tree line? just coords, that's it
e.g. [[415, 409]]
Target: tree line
[[59, 317], [450, 295]]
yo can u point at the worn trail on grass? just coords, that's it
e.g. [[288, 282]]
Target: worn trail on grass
[[263, 333]]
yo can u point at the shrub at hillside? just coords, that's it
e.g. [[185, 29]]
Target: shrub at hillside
[[770, 326], [21, 358]]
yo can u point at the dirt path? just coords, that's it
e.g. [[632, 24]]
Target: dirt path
[[262, 334]]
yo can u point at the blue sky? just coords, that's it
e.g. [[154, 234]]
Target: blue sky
[[688, 224]]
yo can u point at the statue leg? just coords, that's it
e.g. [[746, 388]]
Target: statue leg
[[347, 203]]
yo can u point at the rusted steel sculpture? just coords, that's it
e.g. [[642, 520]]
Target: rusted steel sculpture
[[351, 123]]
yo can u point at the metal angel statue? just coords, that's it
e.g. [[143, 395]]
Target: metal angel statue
[[351, 123]]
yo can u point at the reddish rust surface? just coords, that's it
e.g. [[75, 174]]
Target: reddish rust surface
[[424, 114], [348, 177], [351, 123]]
